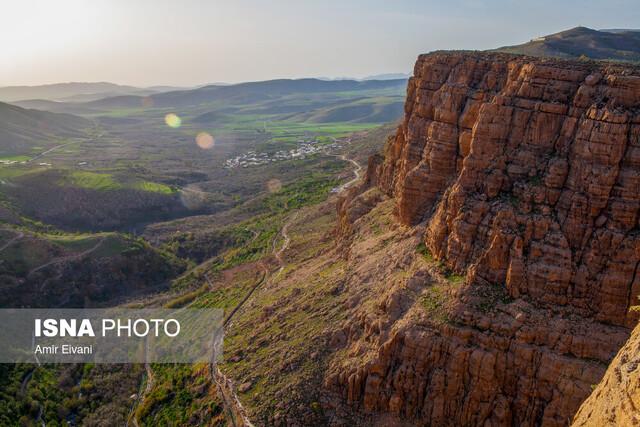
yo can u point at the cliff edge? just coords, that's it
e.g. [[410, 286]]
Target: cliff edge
[[521, 175]]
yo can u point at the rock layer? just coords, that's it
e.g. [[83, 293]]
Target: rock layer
[[525, 174], [529, 170]]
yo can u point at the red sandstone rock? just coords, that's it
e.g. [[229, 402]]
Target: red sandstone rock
[[526, 174], [493, 146]]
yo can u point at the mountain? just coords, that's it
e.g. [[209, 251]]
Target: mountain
[[319, 101], [20, 128], [55, 106], [615, 45], [73, 91], [245, 93], [388, 76], [516, 182]]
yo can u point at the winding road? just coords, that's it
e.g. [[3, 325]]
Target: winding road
[[225, 386], [356, 172], [57, 147]]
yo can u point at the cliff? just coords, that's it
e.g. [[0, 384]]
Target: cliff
[[522, 175]]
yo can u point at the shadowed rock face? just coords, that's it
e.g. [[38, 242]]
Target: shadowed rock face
[[525, 174]]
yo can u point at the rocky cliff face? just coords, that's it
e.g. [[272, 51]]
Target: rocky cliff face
[[525, 176]]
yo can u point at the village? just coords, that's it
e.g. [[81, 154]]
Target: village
[[304, 149]]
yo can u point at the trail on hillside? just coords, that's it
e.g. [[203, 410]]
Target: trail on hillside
[[225, 386], [66, 144], [25, 381], [19, 236], [278, 256], [356, 172], [68, 257]]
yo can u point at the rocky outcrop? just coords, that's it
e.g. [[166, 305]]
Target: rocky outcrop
[[530, 171], [616, 400], [525, 174]]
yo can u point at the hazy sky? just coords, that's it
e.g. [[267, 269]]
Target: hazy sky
[[188, 42]]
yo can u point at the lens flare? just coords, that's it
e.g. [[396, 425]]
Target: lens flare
[[204, 140], [274, 185], [147, 102], [173, 120]]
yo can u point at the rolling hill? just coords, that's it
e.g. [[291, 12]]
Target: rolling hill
[[246, 93], [313, 100], [615, 45], [73, 91], [21, 128]]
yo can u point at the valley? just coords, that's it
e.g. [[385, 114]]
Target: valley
[[133, 211]]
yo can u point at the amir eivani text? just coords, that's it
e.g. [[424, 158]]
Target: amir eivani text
[[63, 349]]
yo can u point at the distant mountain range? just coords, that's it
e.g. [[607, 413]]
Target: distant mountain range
[[582, 42], [388, 76], [75, 91], [242, 93]]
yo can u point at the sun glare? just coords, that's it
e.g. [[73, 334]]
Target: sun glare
[[205, 140], [173, 120]]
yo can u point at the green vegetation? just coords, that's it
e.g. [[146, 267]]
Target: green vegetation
[[187, 298], [454, 278], [252, 239], [55, 393], [14, 158], [179, 397], [107, 182], [94, 181], [433, 301], [154, 187], [424, 251]]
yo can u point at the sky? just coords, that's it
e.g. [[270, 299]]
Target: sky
[[194, 42]]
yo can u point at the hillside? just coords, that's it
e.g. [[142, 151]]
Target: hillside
[[49, 268], [21, 129], [615, 45], [315, 100], [73, 91], [247, 93]]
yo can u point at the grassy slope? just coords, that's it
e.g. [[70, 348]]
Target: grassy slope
[[22, 130]]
